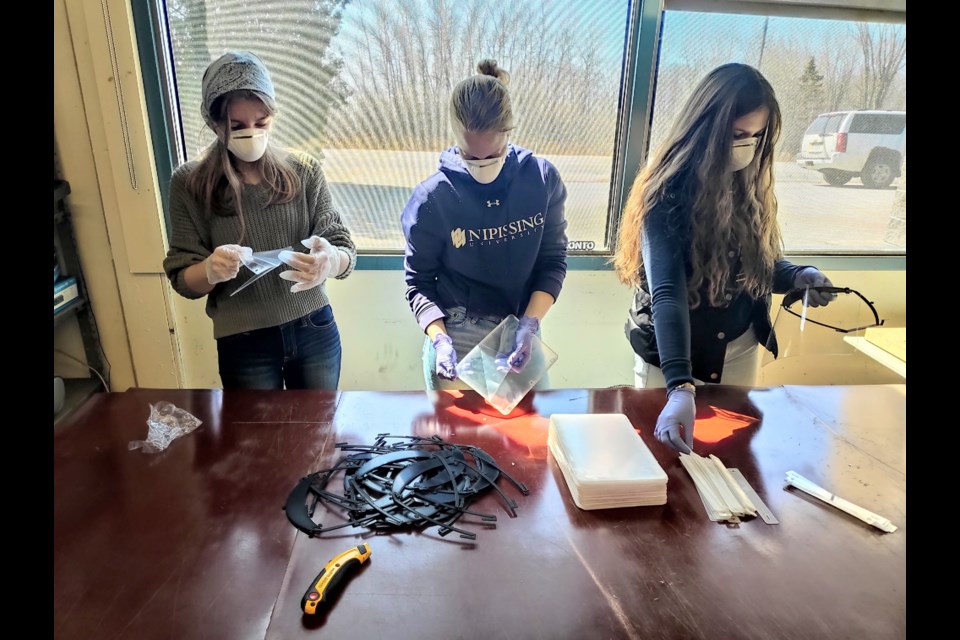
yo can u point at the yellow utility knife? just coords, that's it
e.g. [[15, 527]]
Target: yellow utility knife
[[331, 576]]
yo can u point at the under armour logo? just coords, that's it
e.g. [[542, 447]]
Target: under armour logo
[[459, 237], [491, 203]]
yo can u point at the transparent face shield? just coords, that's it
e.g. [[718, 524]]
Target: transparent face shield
[[260, 264], [804, 330], [486, 371]]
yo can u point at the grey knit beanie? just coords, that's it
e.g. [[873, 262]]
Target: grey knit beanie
[[230, 72]]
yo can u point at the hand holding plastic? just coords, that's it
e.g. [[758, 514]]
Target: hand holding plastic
[[224, 263], [446, 357], [679, 413], [527, 328], [813, 277], [311, 270]]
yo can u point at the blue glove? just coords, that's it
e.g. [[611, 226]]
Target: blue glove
[[524, 339], [680, 411], [446, 357], [813, 277]]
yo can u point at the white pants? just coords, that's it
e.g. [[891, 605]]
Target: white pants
[[741, 365]]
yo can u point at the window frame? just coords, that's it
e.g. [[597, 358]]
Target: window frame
[[639, 70]]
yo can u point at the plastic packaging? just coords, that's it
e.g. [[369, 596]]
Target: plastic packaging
[[260, 263], [167, 422], [485, 371]]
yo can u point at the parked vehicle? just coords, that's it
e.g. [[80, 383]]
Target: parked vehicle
[[842, 145]]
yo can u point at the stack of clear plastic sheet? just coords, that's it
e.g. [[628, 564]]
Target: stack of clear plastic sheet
[[605, 462]]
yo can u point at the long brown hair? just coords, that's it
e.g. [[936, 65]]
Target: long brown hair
[[216, 182], [728, 210]]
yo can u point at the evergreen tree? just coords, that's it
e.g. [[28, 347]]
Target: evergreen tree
[[811, 104]]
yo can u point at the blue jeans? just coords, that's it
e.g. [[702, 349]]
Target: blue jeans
[[300, 354], [466, 330]]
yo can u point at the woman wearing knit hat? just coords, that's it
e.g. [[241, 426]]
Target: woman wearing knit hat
[[245, 195]]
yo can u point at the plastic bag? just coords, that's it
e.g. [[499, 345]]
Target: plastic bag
[[166, 423]]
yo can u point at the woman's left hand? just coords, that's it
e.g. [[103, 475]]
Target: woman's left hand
[[813, 277], [311, 269], [527, 328]]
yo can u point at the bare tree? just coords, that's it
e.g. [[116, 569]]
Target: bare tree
[[409, 56], [884, 49], [305, 74], [191, 55]]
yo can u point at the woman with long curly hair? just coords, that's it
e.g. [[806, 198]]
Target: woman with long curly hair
[[700, 242]]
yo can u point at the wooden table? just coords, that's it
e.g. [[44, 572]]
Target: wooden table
[[192, 542]]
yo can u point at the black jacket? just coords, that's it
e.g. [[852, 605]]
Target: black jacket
[[691, 343]]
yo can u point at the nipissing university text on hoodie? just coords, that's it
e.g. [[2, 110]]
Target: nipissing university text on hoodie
[[486, 247]]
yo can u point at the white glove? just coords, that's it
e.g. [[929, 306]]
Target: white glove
[[311, 269], [224, 263]]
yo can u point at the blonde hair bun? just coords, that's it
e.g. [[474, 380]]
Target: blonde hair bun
[[489, 67]]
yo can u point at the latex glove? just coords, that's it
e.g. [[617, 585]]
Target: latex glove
[[311, 270], [813, 277], [224, 263], [680, 411], [524, 340], [446, 357]]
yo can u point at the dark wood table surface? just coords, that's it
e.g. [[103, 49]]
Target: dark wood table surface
[[192, 542]]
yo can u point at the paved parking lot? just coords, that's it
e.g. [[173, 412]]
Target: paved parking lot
[[370, 188]]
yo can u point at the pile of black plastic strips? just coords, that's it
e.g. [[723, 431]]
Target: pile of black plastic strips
[[400, 481]]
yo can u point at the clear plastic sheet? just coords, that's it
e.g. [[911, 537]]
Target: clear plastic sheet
[[260, 264], [486, 371]]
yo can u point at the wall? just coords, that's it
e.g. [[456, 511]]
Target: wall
[[76, 158], [103, 144], [382, 342]]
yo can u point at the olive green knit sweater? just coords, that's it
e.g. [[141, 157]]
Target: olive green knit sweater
[[267, 302]]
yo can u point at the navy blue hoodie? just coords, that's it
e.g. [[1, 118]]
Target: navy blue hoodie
[[486, 247]]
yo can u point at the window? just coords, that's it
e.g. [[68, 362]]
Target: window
[[832, 124], [838, 191], [892, 125], [818, 126], [364, 86]]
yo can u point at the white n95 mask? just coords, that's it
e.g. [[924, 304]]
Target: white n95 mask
[[248, 144], [742, 153], [485, 171]]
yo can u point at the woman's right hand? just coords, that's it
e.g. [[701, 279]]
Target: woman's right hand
[[224, 263], [446, 357], [679, 413]]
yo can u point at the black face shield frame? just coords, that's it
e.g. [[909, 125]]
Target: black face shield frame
[[796, 295]]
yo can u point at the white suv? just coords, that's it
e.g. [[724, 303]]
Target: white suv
[[845, 144]]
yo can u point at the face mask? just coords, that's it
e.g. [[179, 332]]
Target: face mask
[[743, 152], [485, 171], [248, 145]]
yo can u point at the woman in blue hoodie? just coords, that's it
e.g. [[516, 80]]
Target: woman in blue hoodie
[[485, 234]]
